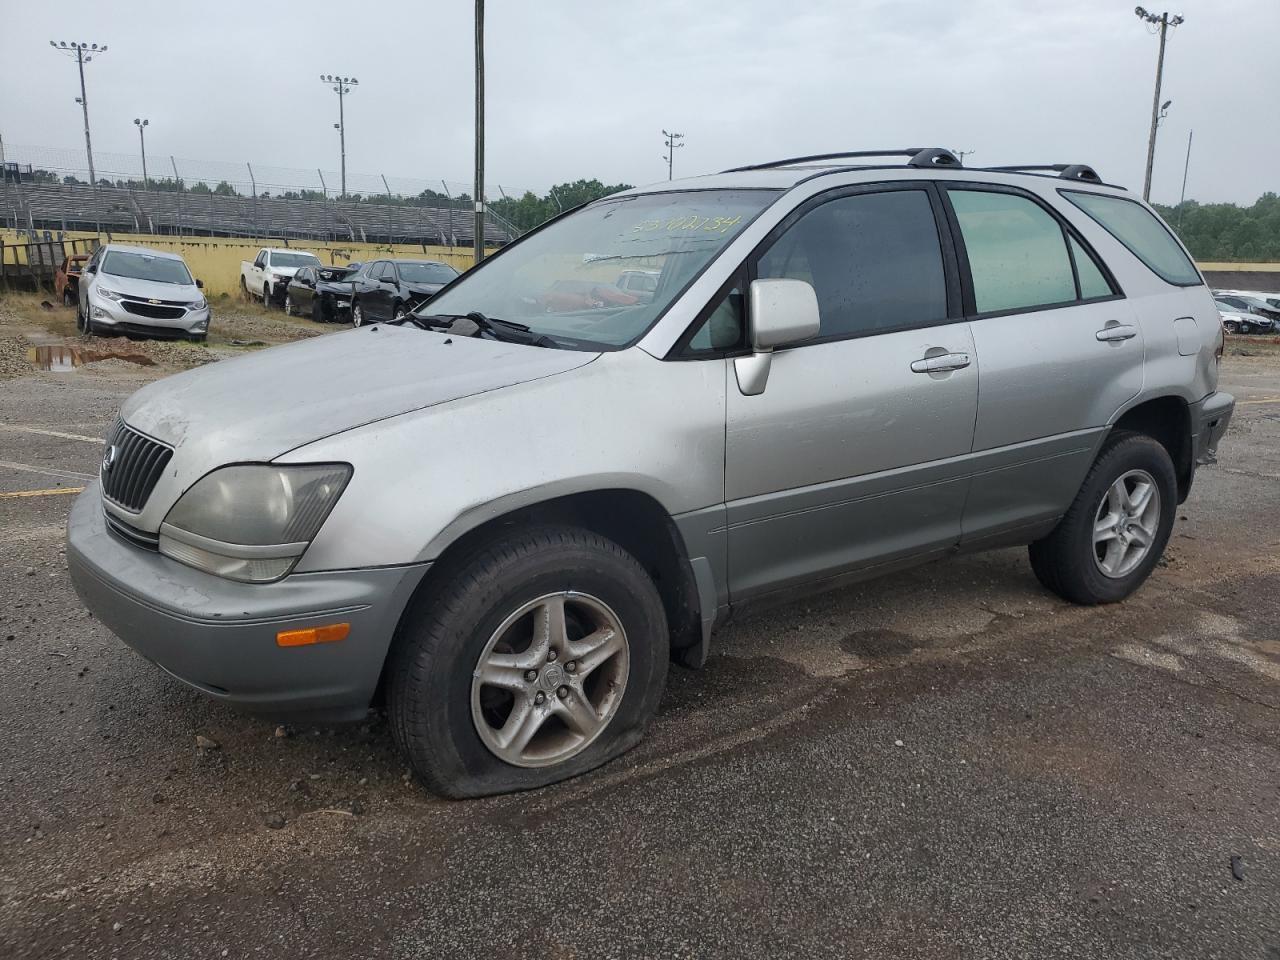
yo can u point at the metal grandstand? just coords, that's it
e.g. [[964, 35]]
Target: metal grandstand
[[31, 197]]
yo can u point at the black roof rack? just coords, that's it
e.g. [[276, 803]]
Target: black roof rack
[[1066, 171], [920, 157]]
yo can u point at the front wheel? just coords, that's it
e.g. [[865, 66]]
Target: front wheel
[[1230, 326], [398, 311], [288, 305], [357, 314], [537, 658], [1246, 328], [1115, 532]]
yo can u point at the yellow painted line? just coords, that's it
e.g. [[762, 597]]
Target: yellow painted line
[[1247, 403], [56, 491], [51, 433]]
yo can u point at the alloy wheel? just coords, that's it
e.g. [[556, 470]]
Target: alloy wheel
[[1126, 524], [357, 315], [288, 305], [550, 679]]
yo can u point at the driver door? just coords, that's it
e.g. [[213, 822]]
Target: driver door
[[855, 454]]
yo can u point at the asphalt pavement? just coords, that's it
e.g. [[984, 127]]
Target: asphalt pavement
[[947, 763]]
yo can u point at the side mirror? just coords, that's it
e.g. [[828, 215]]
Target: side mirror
[[199, 284], [780, 312]]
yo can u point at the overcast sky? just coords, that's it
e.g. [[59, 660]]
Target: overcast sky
[[583, 89]]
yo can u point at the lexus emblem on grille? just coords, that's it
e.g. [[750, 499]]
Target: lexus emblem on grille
[[109, 459]]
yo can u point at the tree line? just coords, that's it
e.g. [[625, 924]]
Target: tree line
[[1224, 231]]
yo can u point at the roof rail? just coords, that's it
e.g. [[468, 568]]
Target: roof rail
[[1066, 171], [920, 157]]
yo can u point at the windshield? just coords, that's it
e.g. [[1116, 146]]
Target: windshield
[[141, 266], [412, 271], [567, 281], [294, 260]]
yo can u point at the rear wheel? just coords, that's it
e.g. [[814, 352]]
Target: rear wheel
[[1115, 532], [538, 658], [357, 314], [397, 312], [244, 291], [1230, 326], [288, 305]]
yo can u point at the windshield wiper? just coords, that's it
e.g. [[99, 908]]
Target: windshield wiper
[[498, 329]]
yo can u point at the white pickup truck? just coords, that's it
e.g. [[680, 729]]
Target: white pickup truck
[[268, 274]]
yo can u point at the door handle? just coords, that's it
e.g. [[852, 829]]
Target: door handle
[[1117, 331], [941, 363]]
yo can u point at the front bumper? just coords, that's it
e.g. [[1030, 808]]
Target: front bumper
[[111, 316], [219, 636]]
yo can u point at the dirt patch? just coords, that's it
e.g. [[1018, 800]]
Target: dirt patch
[[30, 321]]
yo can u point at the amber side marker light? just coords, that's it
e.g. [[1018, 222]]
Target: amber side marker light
[[331, 633]]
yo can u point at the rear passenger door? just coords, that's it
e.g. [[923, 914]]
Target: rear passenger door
[[1061, 352], [855, 453]]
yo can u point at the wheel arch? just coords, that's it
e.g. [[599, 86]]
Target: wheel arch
[[1167, 420], [633, 519]]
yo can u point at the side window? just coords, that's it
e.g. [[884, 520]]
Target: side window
[[874, 259], [1138, 229], [1017, 251], [724, 328], [262, 259], [1093, 283]]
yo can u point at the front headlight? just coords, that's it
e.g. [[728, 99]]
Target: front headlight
[[251, 522], [199, 304], [108, 294]]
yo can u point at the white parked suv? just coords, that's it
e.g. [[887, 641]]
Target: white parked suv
[[140, 291]]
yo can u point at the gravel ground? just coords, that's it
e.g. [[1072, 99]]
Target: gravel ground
[[945, 763], [25, 323]]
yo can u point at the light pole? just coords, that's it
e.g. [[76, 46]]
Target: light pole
[[672, 146], [142, 141], [341, 86], [83, 53], [1165, 21], [477, 198], [1182, 198]]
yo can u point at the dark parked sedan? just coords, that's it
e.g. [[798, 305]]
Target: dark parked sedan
[[323, 293], [388, 289]]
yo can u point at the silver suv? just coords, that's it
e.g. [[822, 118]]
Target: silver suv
[[137, 290], [505, 513]]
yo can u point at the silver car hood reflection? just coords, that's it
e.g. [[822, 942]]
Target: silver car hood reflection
[[260, 406]]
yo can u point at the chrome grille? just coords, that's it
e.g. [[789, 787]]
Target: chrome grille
[[131, 465]]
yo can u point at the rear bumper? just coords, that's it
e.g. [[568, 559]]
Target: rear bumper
[[1209, 420], [220, 636]]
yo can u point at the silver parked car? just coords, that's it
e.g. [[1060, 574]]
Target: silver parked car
[[508, 511], [140, 291]]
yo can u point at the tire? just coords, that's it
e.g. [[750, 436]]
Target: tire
[[397, 311], [357, 314], [317, 310], [67, 299], [244, 291], [1067, 560], [198, 337], [288, 305], [1230, 326], [81, 324], [266, 296], [437, 706]]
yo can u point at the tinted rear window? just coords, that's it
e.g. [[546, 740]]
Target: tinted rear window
[[1142, 232]]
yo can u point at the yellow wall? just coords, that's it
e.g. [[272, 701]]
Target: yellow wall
[[216, 260]]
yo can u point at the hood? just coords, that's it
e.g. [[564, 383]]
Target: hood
[[260, 406], [281, 271], [150, 289], [428, 289]]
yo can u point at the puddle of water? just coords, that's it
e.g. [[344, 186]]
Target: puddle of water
[[57, 358]]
